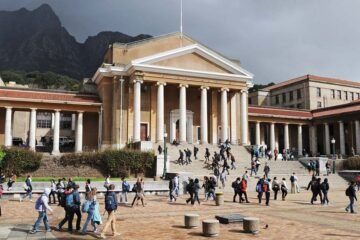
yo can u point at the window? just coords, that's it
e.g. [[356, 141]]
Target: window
[[352, 96], [333, 93], [318, 104], [43, 120], [298, 93], [358, 96], [346, 95], [284, 97], [318, 92], [291, 96], [249, 101], [298, 106], [277, 99], [339, 94], [65, 121]]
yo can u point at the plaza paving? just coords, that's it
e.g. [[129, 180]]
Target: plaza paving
[[295, 218]]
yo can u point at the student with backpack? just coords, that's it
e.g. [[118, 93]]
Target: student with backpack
[[275, 187], [42, 206], [196, 188], [28, 188], [73, 203], [110, 207], [243, 188], [172, 188], [325, 189], [91, 207], [64, 196], [266, 190], [236, 186], [190, 190], [284, 189], [259, 189], [125, 188], [139, 192], [351, 193]]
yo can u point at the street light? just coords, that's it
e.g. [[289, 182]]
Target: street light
[[165, 155], [333, 141]]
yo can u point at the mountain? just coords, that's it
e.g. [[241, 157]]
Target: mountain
[[36, 41]]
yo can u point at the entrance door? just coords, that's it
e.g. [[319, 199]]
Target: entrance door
[[177, 137], [143, 133]]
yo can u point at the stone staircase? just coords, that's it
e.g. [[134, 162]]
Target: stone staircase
[[280, 169]]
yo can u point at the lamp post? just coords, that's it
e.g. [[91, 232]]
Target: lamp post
[[165, 155], [333, 141]]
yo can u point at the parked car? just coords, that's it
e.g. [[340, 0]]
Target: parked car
[[16, 141]]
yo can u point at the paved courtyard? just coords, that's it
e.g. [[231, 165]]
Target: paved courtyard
[[295, 218]]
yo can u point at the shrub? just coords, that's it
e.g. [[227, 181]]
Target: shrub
[[352, 163], [118, 163], [20, 160]]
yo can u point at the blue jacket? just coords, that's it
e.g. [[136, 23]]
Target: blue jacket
[[96, 214]]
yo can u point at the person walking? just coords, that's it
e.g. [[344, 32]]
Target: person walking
[[236, 186], [190, 190], [53, 191], [139, 189], [259, 189], [275, 186], [314, 184], [172, 190], [28, 188], [91, 207], [107, 182], [60, 187], [181, 158], [266, 170], [266, 190], [42, 207], [196, 189], [232, 158], [177, 184], [110, 208], [253, 168], [64, 203], [351, 193], [11, 181], [74, 208], [196, 150], [125, 188], [87, 187], [325, 189], [223, 178], [284, 189], [207, 155], [243, 188]]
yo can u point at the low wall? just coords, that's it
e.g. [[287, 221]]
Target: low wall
[[349, 174]]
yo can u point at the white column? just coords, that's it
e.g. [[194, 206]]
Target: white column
[[137, 110], [272, 136], [52, 120], [342, 138], [300, 142], [286, 136], [8, 127], [204, 116], [224, 115], [257, 133], [79, 133], [244, 118], [182, 108], [357, 136], [56, 136], [233, 119], [160, 112], [32, 130], [313, 139], [277, 138], [262, 135], [327, 139]]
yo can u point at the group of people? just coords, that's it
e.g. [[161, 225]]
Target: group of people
[[185, 156]]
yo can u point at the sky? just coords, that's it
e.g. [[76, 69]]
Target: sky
[[275, 40]]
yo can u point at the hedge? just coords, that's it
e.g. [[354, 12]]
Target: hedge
[[117, 163], [19, 160], [352, 163]]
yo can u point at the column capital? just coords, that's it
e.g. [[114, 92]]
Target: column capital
[[183, 85], [57, 110], [33, 109], [161, 83], [224, 89], [81, 111], [340, 121], [204, 87], [8, 107], [138, 81], [286, 124], [244, 91]]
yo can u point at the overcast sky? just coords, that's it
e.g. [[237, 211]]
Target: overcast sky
[[275, 40]]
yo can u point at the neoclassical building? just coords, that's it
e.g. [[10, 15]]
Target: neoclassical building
[[175, 85]]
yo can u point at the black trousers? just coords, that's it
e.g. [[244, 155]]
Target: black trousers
[[241, 196], [267, 197], [72, 212], [260, 194], [52, 193], [236, 193], [275, 194], [315, 193], [190, 199], [66, 218]]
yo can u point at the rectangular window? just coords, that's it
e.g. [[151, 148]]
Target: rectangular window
[[277, 99], [318, 104], [291, 96], [298, 93], [249, 101], [318, 92], [43, 120], [346, 95], [352, 96], [358, 96], [339, 94], [65, 121], [284, 97], [332, 93]]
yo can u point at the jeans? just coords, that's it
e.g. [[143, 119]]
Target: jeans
[[125, 196], [267, 197], [195, 198], [177, 191], [172, 194], [28, 194], [42, 217], [351, 205], [88, 220], [260, 194], [325, 198], [66, 218], [236, 192], [241, 198]]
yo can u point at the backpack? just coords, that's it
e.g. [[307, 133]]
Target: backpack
[[348, 191], [69, 200], [134, 188], [85, 207], [259, 188], [126, 187], [189, 187], [292, 179], [39, 203], [63, 200], [265, 187], [110, 204], [233, 185]]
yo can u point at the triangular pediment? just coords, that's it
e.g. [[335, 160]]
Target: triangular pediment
[[193, 58]]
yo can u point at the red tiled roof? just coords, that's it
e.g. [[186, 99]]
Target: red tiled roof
[[278, 112], [336, 111], [314, 78], [50, 96]]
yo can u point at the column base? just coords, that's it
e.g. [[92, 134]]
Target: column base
[[203, 142], [55, 153]]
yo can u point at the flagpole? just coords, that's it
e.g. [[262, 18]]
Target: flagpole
[[181, 21]]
